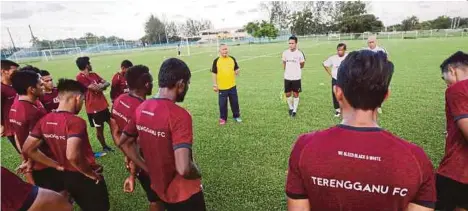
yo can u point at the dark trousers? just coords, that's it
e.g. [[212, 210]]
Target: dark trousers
[[335, 102], [224, 95]]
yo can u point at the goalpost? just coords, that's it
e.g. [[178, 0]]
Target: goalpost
[[184, 43], [51, 54]]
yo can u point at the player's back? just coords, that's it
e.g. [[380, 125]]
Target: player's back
[[55, 128], [348, 168], [23, 117], [123, 108]]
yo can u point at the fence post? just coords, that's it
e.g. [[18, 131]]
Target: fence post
[[402, 35], [431, 33]]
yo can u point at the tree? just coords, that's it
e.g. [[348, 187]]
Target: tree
[[261, 30], [410, 23], [278, 13], [193, 27], [361, 23], [441, 22], [252, 27], [154, 30], [302, 22]]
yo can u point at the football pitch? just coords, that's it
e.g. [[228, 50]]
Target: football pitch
[[244, 165]]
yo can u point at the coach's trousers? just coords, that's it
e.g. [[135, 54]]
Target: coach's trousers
[[335, 102], [223, 97]]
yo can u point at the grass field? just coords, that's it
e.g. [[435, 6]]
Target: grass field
[[244, 165]]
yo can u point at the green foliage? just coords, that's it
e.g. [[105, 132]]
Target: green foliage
[[409, 24], [262, 30]]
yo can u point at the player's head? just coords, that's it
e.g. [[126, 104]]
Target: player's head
[[363, 80], [47, 80], [372, 41], [27, 82], [223, 50], [31, 68], [455, 68], [341, 49], [71, 94], [139, 78], [83, 64], [174, 74], [292, 42], [125, 65], [8, 67]]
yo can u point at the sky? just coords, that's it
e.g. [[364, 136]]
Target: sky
[[61, 19]]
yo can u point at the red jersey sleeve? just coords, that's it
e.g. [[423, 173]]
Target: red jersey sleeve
[[84, 81], [131, 129], [181, 129], [99, 78], [295, 187], [76, 127], [114, 86], [457, 100], [36, 132], [426, 195], [16, 194]]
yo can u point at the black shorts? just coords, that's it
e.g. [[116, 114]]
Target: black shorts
[[98, 119], [146, 185], [194, 203], [49, 178], [292, 86], [451, 194], [87, 194]]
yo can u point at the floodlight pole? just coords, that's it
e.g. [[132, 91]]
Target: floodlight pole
[[11, 38]]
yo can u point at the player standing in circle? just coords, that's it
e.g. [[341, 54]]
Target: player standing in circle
[[96, 103], [452, 175], [119, 84], [178, 49], [67, 137], [224, 73], [372, 46], [334, 62], [293, 62], [50, 98], [8, 95], [140, 83], [357, 165], [165, 135]]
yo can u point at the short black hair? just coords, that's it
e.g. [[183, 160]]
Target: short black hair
[[364, 77], [69, 85], [457, 59], [126, 63], [24, 79], [82, 62], [137, 76], [341, 45], [30, 68], [293, 38], [171, 71], [6, 64], [44, 73]]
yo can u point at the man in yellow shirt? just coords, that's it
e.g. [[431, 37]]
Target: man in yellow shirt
[[224, 72]]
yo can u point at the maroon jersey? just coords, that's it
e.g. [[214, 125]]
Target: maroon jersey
[[118, 86], [162, 127], [16, 193], [50, 100], [124, 108], [348, 168], [94, 101], [455, 161], [8, 95], [55, 128]]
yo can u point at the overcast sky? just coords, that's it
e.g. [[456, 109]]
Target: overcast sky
[[61, 19]]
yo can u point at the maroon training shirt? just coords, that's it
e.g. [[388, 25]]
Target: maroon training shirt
[[15, 192], [94, 101], [55, 128], [123, 109], [454, 165], [8, 95], [162, 127], [50, 100], [349, 168], [118, 86]]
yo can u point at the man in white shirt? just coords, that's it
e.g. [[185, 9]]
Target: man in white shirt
[[372, 46], [293, 62], [334, 62]]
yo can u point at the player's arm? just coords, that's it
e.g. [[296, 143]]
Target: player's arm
[[416, 207], [214, 71], [457, 101], [185, 165], [114, 130], [103, 85], [236, 66], [50, 200], [127, 143], [302, 60], [182, 139], [326, 65], [77, 159], [463, 125], [298, 204], [31, 149]]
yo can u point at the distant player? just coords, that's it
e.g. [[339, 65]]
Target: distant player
[[96, 103], [334, 62], [8, 95], [50, 98], [140, 83], [67, 137], [119, 84], [165, 135], [178, 49], [293, 62], [357, 165], [224, 72], [452, 175], [19, 195], [372, 46]]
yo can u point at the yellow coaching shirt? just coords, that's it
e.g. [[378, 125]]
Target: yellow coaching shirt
[[224, 68]]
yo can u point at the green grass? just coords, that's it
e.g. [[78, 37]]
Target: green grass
[[244, 165]]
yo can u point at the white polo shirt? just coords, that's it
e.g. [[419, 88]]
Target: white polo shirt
[[293, 61], [334, 62], [377, 49]]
